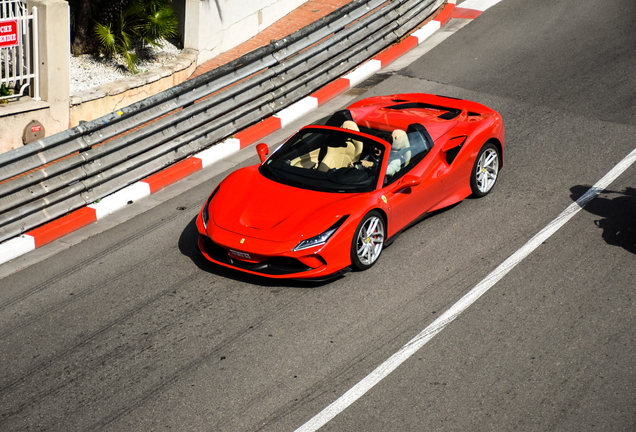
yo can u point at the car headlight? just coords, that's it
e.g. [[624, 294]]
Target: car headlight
[[322, 238], [205, 215]]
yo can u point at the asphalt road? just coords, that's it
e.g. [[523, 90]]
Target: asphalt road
[[124, 327]]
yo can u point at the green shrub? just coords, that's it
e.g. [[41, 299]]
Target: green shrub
[[121, 25]]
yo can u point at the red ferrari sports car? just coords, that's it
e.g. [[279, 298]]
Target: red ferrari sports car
[[335, 193]]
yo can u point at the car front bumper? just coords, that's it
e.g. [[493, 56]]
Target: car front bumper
[[272, 259]]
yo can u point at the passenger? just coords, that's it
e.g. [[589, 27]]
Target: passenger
[[397, 157]]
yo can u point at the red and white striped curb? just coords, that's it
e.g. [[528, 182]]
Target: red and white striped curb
[[79, 218]]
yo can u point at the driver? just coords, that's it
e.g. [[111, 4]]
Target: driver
[[371, 159]]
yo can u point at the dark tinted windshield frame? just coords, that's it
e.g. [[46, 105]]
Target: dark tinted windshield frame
[[328, 159]]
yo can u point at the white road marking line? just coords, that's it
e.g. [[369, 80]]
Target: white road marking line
[[363, 72], [480, 5], [471, 297], [426, 31], [120, 199], [16, 247], [218, 151], [297, 110]]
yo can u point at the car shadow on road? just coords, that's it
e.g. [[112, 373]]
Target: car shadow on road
[[188, 247], [617, 212]]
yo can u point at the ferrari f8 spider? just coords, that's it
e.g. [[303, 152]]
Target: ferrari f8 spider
[[334, 194]]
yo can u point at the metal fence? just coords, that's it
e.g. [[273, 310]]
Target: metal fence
[[83, 164], [18, 50]]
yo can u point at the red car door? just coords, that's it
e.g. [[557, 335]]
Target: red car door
[[416, 191]]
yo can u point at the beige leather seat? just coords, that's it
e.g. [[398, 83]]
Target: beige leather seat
[[308, 160], [355, 150], [341, 157], [334, 159]]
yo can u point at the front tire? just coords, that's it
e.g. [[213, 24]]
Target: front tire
[[486, 170], [368, 241]]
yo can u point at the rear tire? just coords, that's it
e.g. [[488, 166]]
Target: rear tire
[[368, 241], [486, 170]]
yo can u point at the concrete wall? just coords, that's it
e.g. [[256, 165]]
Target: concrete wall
[[96, 102], [210, 28], [53, 110], [215, 26]]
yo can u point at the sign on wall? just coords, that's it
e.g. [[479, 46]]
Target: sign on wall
[[32, 132], [9, 33]]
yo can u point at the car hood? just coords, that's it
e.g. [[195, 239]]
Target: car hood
[[251, 205]]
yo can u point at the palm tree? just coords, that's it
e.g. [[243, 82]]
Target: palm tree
[[80, 19], [121, 24]]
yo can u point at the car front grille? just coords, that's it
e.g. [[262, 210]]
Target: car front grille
[[272, 266]]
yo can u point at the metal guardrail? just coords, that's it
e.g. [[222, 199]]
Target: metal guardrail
[[99, 157]]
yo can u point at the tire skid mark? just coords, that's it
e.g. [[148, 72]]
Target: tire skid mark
[[82, 264], [192, 366], [346, 374], [138, 344], [79, 295], [86, 340]]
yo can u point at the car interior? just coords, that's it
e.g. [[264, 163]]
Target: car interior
[[328, 159]]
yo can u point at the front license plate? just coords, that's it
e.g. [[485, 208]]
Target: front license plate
[[240, 254]]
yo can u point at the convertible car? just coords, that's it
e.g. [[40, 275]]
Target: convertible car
[[335, 193]]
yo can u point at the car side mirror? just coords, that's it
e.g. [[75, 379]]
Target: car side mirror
[[406, 182], [262, 151]]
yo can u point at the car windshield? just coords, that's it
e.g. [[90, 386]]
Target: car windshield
[[326, 160]]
